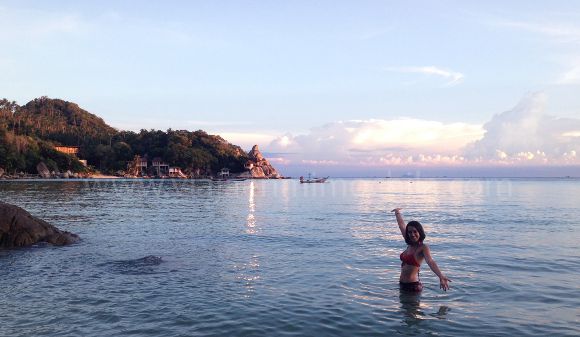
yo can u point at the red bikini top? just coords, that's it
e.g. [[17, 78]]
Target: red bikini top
[[409, 259]]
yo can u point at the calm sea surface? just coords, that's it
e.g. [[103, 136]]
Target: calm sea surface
[[256, 258]]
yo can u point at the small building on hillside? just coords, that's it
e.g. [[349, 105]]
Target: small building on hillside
[[224, 173], [160, 168], [72, 150], [175, 172], [142, 166]]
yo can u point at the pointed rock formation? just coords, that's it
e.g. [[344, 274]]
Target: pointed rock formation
[[19, 229], [259, 167]]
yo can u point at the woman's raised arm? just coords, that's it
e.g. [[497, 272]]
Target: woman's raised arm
[[400, 222]]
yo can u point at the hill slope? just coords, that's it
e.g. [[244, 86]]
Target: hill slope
[[29, 133], [61, 121]]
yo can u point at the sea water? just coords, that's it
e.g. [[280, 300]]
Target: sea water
[[273, 258]]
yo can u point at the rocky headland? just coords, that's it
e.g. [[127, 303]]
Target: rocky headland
[[258, 167], [18, 228]]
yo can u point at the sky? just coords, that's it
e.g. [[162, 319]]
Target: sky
[[342, 88]]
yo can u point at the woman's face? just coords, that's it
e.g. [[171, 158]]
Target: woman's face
[[413, 234]]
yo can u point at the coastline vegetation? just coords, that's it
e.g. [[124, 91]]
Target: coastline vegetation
[[30, 133]]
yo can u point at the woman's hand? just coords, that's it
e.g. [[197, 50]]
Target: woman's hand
[[443, 283], [396, 210]]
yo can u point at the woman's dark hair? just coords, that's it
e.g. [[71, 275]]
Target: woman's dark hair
[[419, 228]]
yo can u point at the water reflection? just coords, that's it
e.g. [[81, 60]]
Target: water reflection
[[249, 275], [442, 312], [414, 312], [250, 271], [411, 307], [251, 219], [285, 193]]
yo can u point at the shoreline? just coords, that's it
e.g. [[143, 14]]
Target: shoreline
[[111, 177], [102, 176], [37, 177]]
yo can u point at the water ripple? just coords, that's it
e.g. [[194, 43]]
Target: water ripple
[[182, 258]]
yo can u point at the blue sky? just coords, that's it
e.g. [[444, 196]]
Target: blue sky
[[352, 88]]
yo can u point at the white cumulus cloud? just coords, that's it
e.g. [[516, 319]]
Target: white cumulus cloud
[[526, 134], [523, 135], [380, 142]]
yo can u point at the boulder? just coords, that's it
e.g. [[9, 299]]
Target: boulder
[[43, 170], [1, 172], [19, 229], [259, 167]]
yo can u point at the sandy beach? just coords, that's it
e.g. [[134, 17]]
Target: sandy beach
[[102, 176]]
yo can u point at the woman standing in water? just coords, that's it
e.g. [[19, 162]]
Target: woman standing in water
[[415, 253]]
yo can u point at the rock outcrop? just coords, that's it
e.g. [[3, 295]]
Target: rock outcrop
[[259, 167], [19, 229], [43, 170]]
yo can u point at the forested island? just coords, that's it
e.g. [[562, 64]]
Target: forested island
[[38, 131]]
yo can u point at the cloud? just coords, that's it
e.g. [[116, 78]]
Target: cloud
[[518, 137], [379, 142], [453, 77], [525, 134]]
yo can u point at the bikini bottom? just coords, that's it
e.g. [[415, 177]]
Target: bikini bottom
[[414, 287]]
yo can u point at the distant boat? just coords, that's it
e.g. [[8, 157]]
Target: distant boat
[[313, 180]]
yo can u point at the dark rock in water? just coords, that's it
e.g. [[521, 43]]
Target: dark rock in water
[[150, 260], [19, 229], [142, 266]]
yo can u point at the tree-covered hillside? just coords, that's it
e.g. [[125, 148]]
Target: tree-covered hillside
[[29, 133]]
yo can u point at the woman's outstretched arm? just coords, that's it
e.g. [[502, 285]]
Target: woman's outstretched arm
[[443, 280], [400, 221]]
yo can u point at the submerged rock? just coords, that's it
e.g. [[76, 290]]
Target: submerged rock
[[144, 265], [19, 229], [150, 260]]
